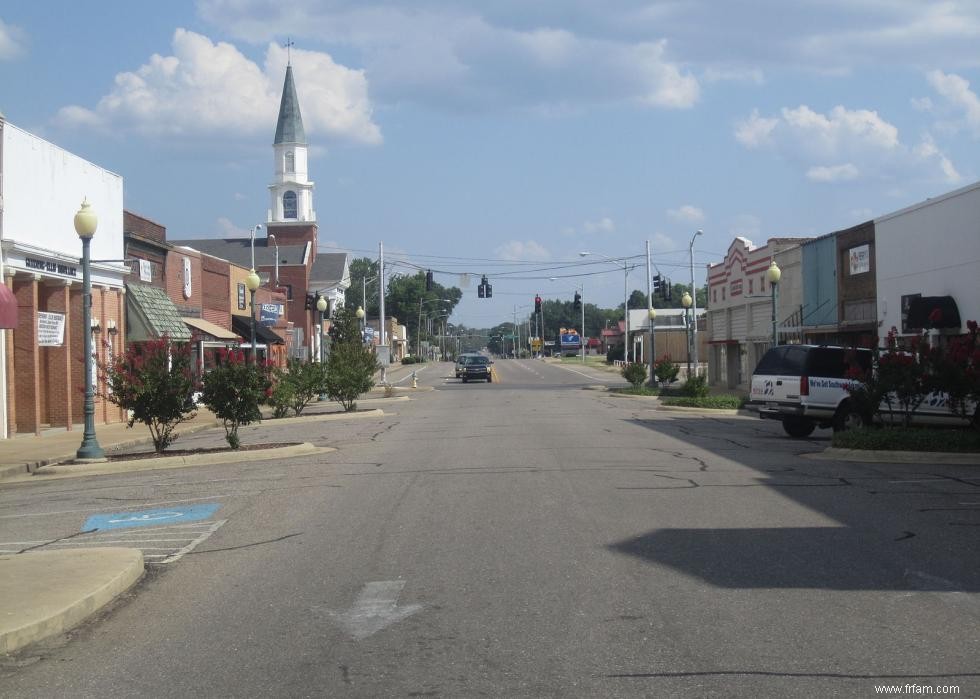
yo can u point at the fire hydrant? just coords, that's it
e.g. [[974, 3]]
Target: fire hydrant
[[415, 381]]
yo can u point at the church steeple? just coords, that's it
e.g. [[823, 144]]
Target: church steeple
[[291, 192], [289, 129]]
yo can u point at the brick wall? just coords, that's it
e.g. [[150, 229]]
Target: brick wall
[[136, 250], [188, 306], [216, 302], [143, 227], [294, 235]]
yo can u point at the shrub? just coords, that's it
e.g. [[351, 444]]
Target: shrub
[[908, 439], [351, 366], [154, 381], [615, 353], [666, 370], [696, 386], [233, 391], [635, 373], [296, 386], [720, 402]]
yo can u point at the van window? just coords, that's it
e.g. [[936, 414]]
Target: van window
[[785, 359]]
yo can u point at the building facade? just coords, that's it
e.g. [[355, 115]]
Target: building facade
[[43, 370]]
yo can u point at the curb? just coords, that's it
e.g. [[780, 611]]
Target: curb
[[62, 471], [118, 569], [299, 419], [895, 457]]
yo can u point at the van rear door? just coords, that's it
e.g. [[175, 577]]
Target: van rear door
[[776, 380]]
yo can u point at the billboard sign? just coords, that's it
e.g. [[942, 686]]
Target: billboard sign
[[571, 340]]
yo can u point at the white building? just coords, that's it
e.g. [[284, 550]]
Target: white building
[[42, 188], [930, 252]]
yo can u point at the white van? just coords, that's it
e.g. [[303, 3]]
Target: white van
[[805, 387]]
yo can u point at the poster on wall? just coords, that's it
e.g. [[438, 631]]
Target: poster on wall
[[860, 258], [146, 271], [50, 329]]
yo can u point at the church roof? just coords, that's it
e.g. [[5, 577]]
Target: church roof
[[239, 250], [289, 129], [330, 270]]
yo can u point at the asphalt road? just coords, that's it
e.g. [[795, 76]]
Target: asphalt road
[[528, 537]]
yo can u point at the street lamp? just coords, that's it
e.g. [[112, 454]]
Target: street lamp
[[255, 228], [652, 316], [626, 300], [85, 224], [772, 275], [360, 317], [321, 306], [252, 282], [418, 334], [694, 305], [272, 237], [686, 302]]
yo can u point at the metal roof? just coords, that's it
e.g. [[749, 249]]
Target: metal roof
[[151, 314], [289, 128], [239, 251]]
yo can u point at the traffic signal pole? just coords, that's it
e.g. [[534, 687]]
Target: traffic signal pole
[[653, 348]]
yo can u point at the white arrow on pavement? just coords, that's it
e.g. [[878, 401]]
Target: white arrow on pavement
[[375, 608]]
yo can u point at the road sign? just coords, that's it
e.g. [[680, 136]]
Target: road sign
[[150, 518]]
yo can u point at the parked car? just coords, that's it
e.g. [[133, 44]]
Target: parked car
[[477, 368], [805, 387]]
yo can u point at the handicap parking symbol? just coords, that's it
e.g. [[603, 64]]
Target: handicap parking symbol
[[150, 518]]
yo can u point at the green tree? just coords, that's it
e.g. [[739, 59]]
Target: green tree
[[154, 381], [406, 296], [351, 365], [360, 269]]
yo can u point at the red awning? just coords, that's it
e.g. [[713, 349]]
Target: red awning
[[8, 308]]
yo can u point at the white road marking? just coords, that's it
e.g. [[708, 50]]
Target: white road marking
[[375, 608], [192, 545]]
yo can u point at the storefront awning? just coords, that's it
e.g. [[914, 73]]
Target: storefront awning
[[933, 312], [8, 308], [209, 328], [243, 328], [150, 314]]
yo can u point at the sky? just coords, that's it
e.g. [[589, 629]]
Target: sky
[[504, 138]]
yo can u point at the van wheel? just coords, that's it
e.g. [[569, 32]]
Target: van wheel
[[846, 419], [798, 428]]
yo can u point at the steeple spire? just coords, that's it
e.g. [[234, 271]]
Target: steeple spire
[[289, 129]]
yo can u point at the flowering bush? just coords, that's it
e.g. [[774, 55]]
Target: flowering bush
[[154, 381], [296, 385], [635, 373], [666, 370], [234, 389]]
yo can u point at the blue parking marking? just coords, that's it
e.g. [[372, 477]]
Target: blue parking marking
[[150, 518]]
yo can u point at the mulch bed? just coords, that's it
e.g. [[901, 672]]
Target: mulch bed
[[190, 452]]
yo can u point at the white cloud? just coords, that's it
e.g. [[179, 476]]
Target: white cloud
[[238, 196], [603, 225], [455, 55], [862, 142], [227, 229], [921, 104], [752, 76], [686, 214], [755, 131], [832, 173], [517, 250], [957, 93], [12, 41], [208, 88]]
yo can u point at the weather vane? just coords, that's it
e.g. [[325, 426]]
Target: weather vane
[[289, 44]]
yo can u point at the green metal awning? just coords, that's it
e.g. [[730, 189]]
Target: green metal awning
[[150, 314]]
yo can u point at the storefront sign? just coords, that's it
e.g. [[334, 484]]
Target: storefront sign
[[860, 259], [52, 267], [271, 312], [50, 329]]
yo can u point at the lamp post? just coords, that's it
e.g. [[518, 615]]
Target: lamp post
[[626, 300], [694, 305], [321, 306], [581, 337], [651, 316], [85, 224], [255, 228], [772, 275], [686, 302], [276, 244], [418, 334], [360, 317], [252, 282]]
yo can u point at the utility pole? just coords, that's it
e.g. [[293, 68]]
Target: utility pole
[[650, 318]]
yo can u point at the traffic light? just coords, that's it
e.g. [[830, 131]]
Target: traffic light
[[537, 304], [310, 302], [428, 280], [489, 291], [668, 291], [577, 303], [657, 284], [485, 291]]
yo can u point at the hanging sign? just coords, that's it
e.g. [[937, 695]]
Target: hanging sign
[[50, 329], [270, 313]]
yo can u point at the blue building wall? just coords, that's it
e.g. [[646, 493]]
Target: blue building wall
[[820, 281]]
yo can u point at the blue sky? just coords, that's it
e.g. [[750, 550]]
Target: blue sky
[[504, 138]]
